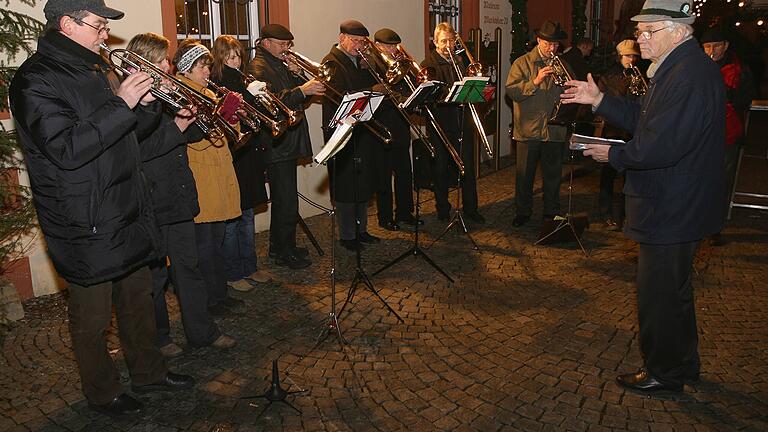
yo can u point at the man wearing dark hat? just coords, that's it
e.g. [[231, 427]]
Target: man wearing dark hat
[[283, 153], [394, 157], [674, 184], [534, 95], [352, 170], [94, 210], [739, 92], [449, 118]]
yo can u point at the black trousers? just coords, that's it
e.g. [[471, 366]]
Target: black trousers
[[395, 159], [90, 314], [446, 172], [285, 206], [608, 176], [529, 153], [209, 237], [181, 247], [666, 311]]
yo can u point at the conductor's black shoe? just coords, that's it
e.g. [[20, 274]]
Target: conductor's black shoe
[[293, 261], [121, 405], [367, 238], [645, 382], [411, 220], [520, 220], [389, 225], [171, 382], [350, 245], [475, 217], [298, 251]]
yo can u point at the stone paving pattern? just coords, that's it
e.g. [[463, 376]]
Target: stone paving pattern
[[528, 338]]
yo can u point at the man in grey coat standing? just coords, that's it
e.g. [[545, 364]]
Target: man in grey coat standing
[[534, 95]]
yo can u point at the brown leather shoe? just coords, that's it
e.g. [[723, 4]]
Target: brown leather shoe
[[645, 382], [224, 342]]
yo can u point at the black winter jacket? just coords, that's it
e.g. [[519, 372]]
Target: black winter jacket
[[84, 163], [344, 174], [294, 143], [166, 165], [674, 162], [249, 160]]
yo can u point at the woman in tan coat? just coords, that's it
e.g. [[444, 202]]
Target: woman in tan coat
[[217, 190]]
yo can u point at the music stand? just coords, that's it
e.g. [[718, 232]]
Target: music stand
[[567, 222], [427, 92], [354, 108], [467, 90]]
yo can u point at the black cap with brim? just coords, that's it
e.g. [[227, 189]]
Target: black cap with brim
[[353, 27], [57, 8], [551, 32], [714, 34], [275, 31], [387, 36]]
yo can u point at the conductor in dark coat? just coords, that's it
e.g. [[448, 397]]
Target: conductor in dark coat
[[673, 188], [284, 152], [352, 171]]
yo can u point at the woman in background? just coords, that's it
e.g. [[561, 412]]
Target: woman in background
[[249, 162]]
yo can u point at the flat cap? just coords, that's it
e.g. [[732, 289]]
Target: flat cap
[[353, 27], [714, 34], [57, 8], [387, 36], [275, 31], [666, 10], [628, 47]]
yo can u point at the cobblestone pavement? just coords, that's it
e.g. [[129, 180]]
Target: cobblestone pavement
[[527, 338]]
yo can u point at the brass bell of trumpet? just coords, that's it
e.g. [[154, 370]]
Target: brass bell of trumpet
[[271, 102], [251, 116]]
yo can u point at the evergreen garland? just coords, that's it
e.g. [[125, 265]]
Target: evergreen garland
[[579, 16], [520, 31], [16, 212]]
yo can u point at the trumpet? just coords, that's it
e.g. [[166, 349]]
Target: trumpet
[[560, 74], [178, 95], [474, 69], [272, 103], [252, 117], [636, 81], [321, 72]]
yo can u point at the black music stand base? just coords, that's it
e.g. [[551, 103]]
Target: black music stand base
[[361, 277], [415, 250], [275, 392], [567, 221]]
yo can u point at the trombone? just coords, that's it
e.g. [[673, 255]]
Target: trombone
[[404, 67], [391, 94], [178, 95], [322, 73], [250, 115], [272, 103], [473, 69]]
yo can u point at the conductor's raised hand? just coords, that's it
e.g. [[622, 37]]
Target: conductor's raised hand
[[582, 92], [134, 87]]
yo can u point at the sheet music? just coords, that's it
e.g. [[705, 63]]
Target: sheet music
[[580, 142], [361, 105], [469, 89], [427, 87], [338, 140]]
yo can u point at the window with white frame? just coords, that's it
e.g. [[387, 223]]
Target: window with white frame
[[444, 11], [208, 19]]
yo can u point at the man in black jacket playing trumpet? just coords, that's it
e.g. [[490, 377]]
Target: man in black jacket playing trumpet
[[283, 153]]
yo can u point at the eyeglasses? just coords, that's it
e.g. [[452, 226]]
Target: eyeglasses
[[100, 30], [648, 34], [282, 43]]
